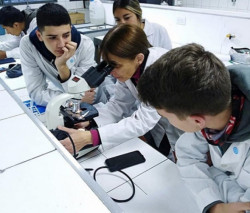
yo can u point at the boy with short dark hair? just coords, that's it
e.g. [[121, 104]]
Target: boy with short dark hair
[[197, 94], [52, 53], [17, 23]]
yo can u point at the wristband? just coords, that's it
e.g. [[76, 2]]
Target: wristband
[[95, 137]]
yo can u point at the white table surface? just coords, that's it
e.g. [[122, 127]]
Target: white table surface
[[16, 147], [8, 106], [158, 185], [13, 83], [24, 96], [46, 184], [36, 173], [1, 88], [158, 190]]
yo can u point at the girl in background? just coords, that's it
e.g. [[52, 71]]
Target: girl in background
[[130, 12]]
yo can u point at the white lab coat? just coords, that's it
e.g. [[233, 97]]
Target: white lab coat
[[228, 179], [210, 184], [11, 47], [157, 35], [113, 127], [36, 69]]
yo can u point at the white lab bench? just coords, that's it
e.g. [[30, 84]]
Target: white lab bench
[[46, 183], [36, 173], [41, 176], [18, 86], [158, 185]]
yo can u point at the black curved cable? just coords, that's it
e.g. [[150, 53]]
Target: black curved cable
[[132, 183]]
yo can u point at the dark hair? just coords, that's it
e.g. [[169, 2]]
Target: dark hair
[[131, 5], [124, 41], [52, 14], [186, 81], [9, 15]]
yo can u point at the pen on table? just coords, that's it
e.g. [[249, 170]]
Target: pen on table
[[88, 169]]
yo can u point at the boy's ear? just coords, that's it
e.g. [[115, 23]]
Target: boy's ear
[[139, 58], [15, 25], [199, 120], [39, 35]]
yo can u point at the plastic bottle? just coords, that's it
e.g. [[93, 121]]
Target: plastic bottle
[[96, 12]]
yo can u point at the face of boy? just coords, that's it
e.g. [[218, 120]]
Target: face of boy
[[188, 124], [15, 30], [55, 38]]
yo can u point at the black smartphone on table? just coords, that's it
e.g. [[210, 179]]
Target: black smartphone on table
[[124, 161]]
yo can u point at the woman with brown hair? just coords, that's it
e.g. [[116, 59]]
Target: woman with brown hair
[[123, 117]]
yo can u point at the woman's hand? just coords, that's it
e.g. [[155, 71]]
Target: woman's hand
[[79, 137], [82, 125], [89, 96]]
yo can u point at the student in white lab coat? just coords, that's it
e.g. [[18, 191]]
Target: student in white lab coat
[[17, 23], [124, 117], [130, 12], [198, 94], [52, 53]]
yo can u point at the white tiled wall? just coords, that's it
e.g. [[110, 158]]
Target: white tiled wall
[[238, 5], [206, 29]]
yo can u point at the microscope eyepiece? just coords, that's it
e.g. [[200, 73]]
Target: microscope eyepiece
[[94, 76]]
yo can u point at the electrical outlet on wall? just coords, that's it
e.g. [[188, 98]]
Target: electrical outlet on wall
[[181, 20]]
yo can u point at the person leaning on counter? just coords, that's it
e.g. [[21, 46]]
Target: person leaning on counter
[[194, 90], [123, 117], [130, 12], [17, 23], [53, 52]]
